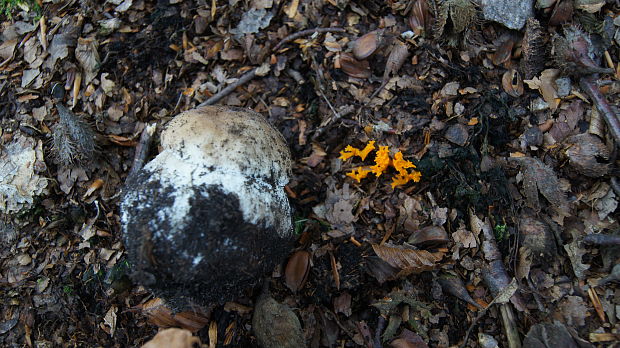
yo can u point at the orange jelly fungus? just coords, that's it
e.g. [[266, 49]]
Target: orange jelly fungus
[[382, 163]]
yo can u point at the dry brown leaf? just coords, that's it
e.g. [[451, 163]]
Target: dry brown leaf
[[512, 83], [297, 269], [160, 315], [407, 260], [504, 51], [355, 68], [537, 176], [396, 59], [342, 304], [420, 17], [86, 53], [566, 122], [586, 153], [546, 85], [172, 338], [429, 237], [366, 45]]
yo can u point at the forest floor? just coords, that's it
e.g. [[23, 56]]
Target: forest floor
[[509, 235]]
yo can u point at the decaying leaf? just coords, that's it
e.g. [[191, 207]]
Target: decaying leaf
[[86, 53], [355, 68], [567, 121], [464, 237], [586, 154], [407, 260], [408, 339], [338, 208], [546, 85], [367, 44], [575, 252], [172, 338], [159, 314], [20, 183], [429, 237], [574, 310], [548, 335], [297, 269], [537, 176], [342, 304], [536, 236]]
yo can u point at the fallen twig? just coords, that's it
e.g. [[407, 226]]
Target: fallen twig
[[142, 149], [252, 73], [589, 85], [306, 33], [226, 91]]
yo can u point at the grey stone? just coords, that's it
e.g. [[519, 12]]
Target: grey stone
[[511, 13]]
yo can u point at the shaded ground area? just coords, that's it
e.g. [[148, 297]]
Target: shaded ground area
[[511, 223]]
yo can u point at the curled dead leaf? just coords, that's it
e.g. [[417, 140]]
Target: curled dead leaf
[[159, 314], [355, 68], [407, 260], [396, 59], [503, 52], [429, 237], [512, 83], [297, 269], [172, 338], [586, 154], [366, 45], [420, 17]]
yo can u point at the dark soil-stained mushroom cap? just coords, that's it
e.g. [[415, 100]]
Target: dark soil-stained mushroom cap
[[208, 216]]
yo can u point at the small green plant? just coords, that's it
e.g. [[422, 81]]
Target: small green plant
[[68, 289], [7, 7], [299, 225], [501, 231]]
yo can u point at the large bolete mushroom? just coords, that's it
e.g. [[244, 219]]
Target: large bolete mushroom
[[208, 216]]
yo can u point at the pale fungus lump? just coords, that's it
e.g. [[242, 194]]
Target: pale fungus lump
[[208, 216]]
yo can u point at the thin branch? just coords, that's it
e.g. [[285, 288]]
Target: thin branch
[[252, 73], [306, 33], [226, 91], [142, 149], [610, 117]]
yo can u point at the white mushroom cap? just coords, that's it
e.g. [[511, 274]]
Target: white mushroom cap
[[232, 139], [212, 203]]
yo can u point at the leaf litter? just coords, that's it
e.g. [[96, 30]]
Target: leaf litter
[[427, 78]]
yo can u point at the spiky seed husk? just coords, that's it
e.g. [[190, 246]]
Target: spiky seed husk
[[533, 47], [462, 14], [73, 140]]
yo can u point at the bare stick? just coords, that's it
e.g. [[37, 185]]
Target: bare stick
[[610, 117], [226, 91], [142, 149], [305, 33], [252, 73]]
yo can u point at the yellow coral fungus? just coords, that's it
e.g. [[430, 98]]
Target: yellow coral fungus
[[359, 173], [350, 151], [382, 161], [369, 147], [401, 164], [401, 179]]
